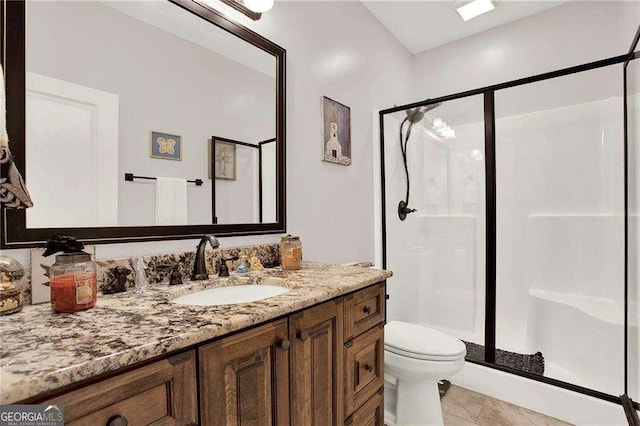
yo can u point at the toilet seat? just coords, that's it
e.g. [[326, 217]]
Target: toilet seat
[[420, 342]]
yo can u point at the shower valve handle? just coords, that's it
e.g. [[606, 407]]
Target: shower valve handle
[[404, 210]]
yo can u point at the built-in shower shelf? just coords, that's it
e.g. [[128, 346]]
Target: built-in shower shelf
[[574, 215]]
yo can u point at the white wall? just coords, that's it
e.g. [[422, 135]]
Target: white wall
[[341, 51], [574, 33]]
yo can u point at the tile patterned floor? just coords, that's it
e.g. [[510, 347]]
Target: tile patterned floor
[[462, 407]]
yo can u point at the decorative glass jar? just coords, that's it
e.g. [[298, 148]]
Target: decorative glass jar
[[11, 275], [74, 284], [290, 252]]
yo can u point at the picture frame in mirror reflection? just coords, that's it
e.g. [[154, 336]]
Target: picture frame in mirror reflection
[[225, 158], [165, 146]]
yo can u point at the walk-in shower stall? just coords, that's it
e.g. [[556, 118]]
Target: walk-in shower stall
[[524, 238]]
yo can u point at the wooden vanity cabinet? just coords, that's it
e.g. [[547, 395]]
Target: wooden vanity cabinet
[[244, 378], [316, 367], [321, 366]]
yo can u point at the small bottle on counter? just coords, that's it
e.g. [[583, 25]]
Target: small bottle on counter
[[243, 263], [290, 253]]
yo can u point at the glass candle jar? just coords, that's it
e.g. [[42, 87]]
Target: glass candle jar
[[290, 252], [74, 284], [11, 275]]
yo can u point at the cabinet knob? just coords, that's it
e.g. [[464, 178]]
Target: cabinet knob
[[366, 310], [302, 335], [117, 421], [284, 344], [368, 368]]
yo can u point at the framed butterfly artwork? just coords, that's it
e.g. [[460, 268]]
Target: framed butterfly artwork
[[165, 146]]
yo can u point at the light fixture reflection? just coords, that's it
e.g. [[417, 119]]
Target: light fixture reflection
[[443, 129], [258, 6]]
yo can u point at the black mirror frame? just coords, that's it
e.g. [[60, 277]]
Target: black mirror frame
[[15, 234]]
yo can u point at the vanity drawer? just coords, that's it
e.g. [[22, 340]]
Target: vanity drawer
[[162, 393], [363, 310], [370, 414], [364, 367]]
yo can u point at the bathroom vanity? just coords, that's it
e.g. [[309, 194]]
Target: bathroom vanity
[[313, 355]]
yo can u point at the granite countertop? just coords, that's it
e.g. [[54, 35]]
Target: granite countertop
[[42, 352]]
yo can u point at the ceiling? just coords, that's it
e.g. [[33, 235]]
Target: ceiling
[[423, 25]]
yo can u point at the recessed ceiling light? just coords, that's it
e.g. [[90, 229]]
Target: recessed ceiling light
[[475, 8]]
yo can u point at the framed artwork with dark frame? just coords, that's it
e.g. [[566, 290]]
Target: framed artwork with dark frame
[[336, 140], [165, 146]]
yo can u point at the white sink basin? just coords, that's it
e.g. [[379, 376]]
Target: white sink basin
[[231, 294]]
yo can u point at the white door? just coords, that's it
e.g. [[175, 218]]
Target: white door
[[72, 154]]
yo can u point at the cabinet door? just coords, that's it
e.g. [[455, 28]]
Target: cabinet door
[[162, 393], [244, 379], [316, 365]]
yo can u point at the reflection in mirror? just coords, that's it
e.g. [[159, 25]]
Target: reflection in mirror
[[139, 87], [245, 175]]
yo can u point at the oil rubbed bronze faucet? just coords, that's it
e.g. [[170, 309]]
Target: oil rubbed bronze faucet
[[199, 265]]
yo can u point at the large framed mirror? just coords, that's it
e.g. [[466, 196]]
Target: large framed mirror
[[111, 111]]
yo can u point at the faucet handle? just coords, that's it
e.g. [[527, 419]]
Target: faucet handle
[[176, 276], [223, 269]]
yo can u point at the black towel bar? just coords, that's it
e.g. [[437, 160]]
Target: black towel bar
[[130, 177]]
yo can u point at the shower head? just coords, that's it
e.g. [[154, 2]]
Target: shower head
[[416, 115]]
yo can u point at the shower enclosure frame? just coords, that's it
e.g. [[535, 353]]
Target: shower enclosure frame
[[627, 403], [488, 93]]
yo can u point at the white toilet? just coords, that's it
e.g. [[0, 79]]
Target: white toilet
[[415, 358]]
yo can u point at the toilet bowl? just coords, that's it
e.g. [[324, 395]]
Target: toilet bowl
[[415, 358]]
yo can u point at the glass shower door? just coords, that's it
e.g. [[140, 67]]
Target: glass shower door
[[560, 251], [437, 253]]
